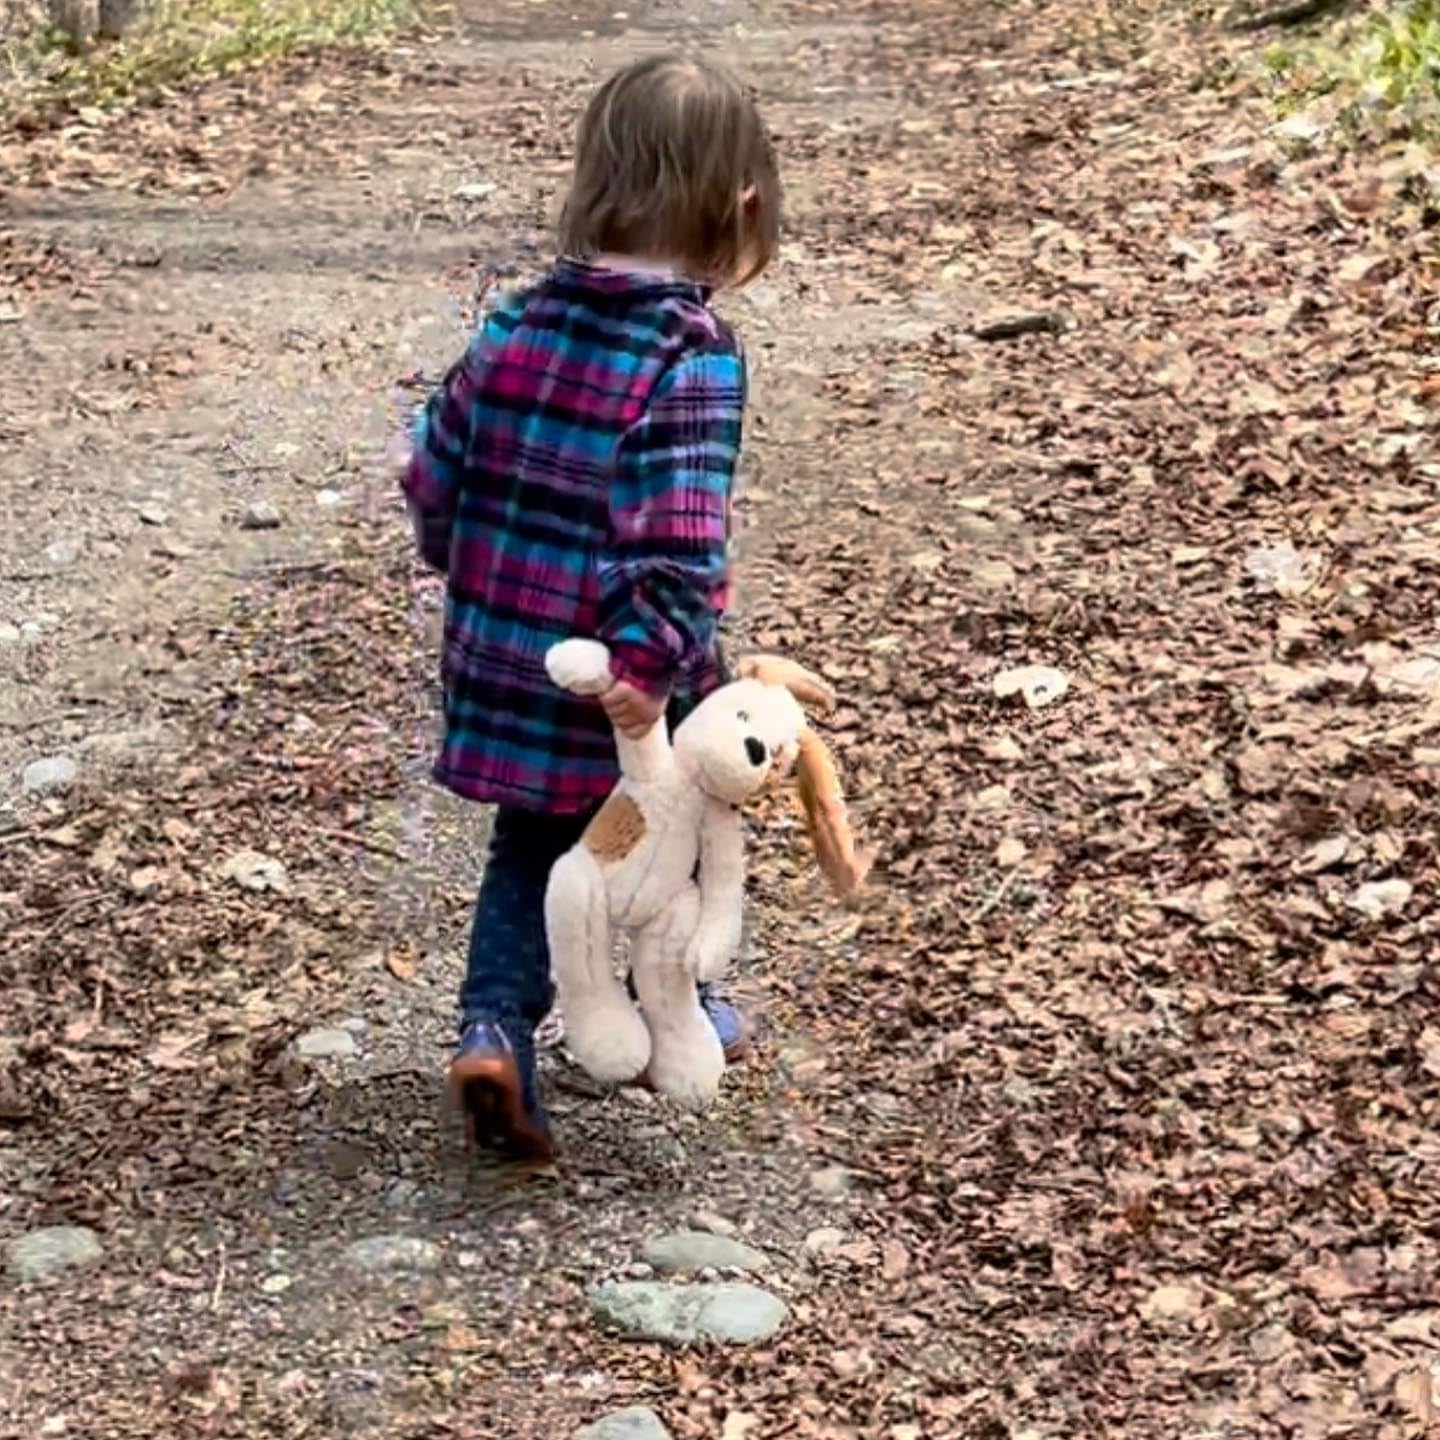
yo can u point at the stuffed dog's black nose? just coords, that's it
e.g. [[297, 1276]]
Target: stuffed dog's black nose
[[755, 750]]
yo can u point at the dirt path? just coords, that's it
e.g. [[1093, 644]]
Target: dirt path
[[1110, 1113]]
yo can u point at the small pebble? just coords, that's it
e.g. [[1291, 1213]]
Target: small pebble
[[61, 554], [331, 1043], [637, 1422], [260, 515], [715, 1224], [50, 776], [687, 1314], [48, 1251], [831, 1183], [393, 1252], [692, 1250]]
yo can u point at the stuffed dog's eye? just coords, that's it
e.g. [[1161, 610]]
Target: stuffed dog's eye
[[742, 716]]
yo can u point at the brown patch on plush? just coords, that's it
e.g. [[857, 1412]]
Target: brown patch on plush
[[616, 830]]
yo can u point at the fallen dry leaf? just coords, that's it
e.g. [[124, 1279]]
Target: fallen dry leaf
[[1173, 1302], [1417, 1393], [256, 872], [739, 1425], [1379, 898]]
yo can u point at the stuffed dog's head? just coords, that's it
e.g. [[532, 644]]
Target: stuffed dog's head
[[751, 732], [739, 738]]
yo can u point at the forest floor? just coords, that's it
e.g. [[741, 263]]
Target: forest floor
[[1112, 1109]]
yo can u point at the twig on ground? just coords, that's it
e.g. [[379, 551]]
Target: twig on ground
[[1000, 892], [375, 847], [330, 569], [1012, 327], [1297, 12], [219, 1289]]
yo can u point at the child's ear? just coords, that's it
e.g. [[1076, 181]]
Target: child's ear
[[807, 687], [826, 819]]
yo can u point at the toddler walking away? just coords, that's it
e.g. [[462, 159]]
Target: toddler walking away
[[572, 477]]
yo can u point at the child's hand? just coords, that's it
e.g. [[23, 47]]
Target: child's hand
[[632, 712]]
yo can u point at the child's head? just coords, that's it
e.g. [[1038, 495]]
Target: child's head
[[673, 163]]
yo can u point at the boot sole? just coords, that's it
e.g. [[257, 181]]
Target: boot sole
[[488, 1092]]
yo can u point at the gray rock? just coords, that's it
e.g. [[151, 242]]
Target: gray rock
[[63, 553], [403, 1195], [10, 634], [50, 776], [638, 1422], [153, 515], [334, 1043], [47, 1252], [35, 629], [260, 515], [823, 1240], [696, 1250], [683, 1314], [993, 574], [714, 1223], [831, 1183], [381, 1253]]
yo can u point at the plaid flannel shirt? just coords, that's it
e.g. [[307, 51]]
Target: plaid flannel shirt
[[572, 477]]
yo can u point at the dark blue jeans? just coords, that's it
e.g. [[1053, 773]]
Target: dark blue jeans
[[507, 975]]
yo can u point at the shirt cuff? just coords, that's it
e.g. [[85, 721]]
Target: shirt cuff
[[642, 668]]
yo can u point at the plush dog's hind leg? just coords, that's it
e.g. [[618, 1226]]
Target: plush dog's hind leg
[[686, 1060], [722, 891], [602, 1027]]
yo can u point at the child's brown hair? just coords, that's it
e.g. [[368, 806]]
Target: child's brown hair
[[673, 162]]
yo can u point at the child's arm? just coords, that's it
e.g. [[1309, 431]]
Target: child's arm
[[431, 481], [662, 576]]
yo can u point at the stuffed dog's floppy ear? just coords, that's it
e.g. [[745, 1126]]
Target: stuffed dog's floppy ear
[[807, 687], [826, 819]]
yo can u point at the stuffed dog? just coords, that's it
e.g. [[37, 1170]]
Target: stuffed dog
[[676, 807]]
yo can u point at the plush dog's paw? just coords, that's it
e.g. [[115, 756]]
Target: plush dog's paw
[[709, 958], [580, 666], [689, 1074], [611, 1042]]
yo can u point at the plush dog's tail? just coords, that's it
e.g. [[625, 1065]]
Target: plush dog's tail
[[580, 666]]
